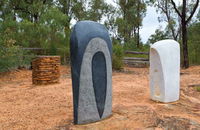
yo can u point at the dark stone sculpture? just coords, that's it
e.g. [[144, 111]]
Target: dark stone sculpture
[[91, 51]]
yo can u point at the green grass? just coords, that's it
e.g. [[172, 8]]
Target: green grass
[[198, 88]]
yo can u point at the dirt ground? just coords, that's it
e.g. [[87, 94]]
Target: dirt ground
[[26, 106]]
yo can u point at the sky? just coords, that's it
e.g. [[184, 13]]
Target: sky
[[150, 22]]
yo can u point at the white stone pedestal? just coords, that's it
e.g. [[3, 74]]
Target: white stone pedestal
[[165, 71]]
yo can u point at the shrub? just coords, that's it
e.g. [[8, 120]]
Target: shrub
[[130, 45], [13, 57], [117, 57], [193, 43], [198, 88]]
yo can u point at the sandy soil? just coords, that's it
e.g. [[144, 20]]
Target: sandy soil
[[26, 106]]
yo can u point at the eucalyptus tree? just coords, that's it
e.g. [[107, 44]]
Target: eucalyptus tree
[[165, 8], [185, 15], [132, 14], [112, 13]]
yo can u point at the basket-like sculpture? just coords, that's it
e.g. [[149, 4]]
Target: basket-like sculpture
[[46, 70]]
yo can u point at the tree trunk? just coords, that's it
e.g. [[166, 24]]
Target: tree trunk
[[138, 37], [64, 60], [138, 26], [36, 17], [166, 11], [184, 36], [184, 23], [185, 47]]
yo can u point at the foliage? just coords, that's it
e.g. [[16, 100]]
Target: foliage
[[159, 35], [186, 13], [46, 24], [178, 18], [50, 32], [128, 25], [83, 9], [55, 35], [97, 9], [198, 16], [14, 57], [8, 58], [131, 44], [110, 22], [193, 43], [117, 57], [11, 54], [198, 88]]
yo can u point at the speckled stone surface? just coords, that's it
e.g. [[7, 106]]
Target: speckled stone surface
[[91, 66]]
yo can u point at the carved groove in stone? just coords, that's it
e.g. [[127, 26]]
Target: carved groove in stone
[[99, 79]]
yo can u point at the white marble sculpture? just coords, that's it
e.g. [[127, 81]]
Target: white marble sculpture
[[165, 71]]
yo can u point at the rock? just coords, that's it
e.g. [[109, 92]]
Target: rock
[[91, 65], [179, 123]]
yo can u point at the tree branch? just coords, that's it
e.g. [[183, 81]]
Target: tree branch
[[21, 9], [193, 11], [174, 5], [159, 6]]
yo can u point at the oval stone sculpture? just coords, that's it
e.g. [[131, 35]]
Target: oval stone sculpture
[[165, 71], [91, 68]]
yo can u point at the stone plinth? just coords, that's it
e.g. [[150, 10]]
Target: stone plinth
[[165, 71], [91, 51], [46, 70]]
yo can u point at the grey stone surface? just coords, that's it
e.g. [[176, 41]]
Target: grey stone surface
[[87, 108], [91, 79]]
